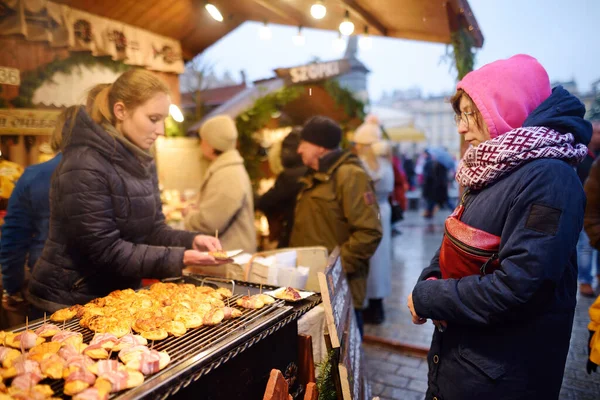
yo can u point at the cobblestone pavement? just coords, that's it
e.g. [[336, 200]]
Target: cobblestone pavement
[[403, 375]]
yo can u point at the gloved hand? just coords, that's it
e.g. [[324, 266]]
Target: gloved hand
[[14, 303], [590, 366]]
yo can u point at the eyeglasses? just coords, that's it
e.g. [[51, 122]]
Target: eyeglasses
[[463, 117]]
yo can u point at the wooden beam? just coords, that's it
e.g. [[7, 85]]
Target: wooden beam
[[283, 11], [460, 13], [367, 16]]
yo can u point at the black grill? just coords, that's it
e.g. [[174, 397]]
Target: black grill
[[203, 349]]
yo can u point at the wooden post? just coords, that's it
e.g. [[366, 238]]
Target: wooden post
[[306, 363], [277, 387], [311, 392]]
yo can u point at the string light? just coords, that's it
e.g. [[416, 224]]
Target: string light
[[339, 45], [365, 42], [299, 39], [318, 10], [214, 12], [264, 32], [347, 26], [176, 113]]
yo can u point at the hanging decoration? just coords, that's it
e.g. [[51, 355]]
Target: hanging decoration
[[62, 26], [32, 80], [462, 53]]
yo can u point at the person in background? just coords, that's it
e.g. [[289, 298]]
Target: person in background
[[225, 200], [337, 206], [587, 245], [279, 202], [502, 289], [371, 151], [107, 229], [26, 224]]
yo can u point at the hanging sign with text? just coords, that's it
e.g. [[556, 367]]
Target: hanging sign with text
[[10, 76], [314, 72], [20, 121]]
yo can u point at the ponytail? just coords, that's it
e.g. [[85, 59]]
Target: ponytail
[[99, 106]]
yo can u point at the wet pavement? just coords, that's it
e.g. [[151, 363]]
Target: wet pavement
[[394, 350]]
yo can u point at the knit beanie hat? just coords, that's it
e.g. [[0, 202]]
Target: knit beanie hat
[[369, 132], [322, 131], [507, 91], [219, 132]]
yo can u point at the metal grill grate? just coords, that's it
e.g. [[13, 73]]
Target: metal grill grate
[[200, 343]]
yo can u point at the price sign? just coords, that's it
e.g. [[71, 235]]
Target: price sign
[[337, 299], [10, 76]]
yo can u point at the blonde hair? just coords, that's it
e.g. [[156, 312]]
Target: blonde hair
[[133, 88]]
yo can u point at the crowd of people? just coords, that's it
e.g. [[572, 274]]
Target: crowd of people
[[501, 289]]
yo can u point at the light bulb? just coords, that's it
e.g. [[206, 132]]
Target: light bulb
[[318, 10], [175, 112], [346, 27], [264, 32], [214, 12], [299, 39], [365, 42], [339, 44]]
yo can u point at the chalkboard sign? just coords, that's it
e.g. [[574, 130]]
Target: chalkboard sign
[[343, 331], [351, 374], [337, 299]]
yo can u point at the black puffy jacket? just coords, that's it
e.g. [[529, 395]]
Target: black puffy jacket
[[107, 229]]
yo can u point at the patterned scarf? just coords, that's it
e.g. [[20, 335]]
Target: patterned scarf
[[493, 159]]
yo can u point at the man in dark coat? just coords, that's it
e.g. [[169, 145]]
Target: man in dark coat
[[279, 202]]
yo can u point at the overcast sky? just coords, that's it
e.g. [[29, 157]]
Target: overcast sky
[[563, 35]]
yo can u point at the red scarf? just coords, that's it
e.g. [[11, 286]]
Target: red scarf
[[493, 159]]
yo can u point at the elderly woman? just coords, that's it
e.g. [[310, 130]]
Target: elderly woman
[[502, 288]]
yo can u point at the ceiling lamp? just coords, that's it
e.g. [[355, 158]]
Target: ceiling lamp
[[339, 45], [365, 42], [264, 32], [214, 12], [318, 10], [299, 39], [346, 27], [175, 113]]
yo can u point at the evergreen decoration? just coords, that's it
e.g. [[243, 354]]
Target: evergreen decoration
[[462, 53], [173, 128], [32, 80], [344, 98], [253, 120], [325, 381]]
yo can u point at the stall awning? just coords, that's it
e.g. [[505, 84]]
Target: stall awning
[[188, 21], [406, 134]]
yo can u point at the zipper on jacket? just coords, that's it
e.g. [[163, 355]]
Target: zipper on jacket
[[77, 284], [484, 266], [467, 248]]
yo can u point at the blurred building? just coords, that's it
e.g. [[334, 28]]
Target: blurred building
[[356, 79]]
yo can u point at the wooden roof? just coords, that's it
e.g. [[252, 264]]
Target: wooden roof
[[188, 21]]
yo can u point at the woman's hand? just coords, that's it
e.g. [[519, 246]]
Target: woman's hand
[[415, 318], [195, 258], [206, 243]]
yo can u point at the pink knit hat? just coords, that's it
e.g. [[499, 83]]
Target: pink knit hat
[[507, 91]]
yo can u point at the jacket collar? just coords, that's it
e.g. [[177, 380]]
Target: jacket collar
[[328, 164], [87, 133], [230, 157]]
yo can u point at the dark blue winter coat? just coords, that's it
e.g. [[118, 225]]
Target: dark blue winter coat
[[25, 226], [508, 332]]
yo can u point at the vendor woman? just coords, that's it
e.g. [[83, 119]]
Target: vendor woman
[[107, 229]]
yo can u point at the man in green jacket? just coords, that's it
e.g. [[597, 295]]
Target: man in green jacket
[[337, 206]]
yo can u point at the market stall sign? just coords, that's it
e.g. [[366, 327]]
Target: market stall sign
[[27, 121], [10, 76], [353, 381], [343, 330], [337, 299], [314, 72]]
